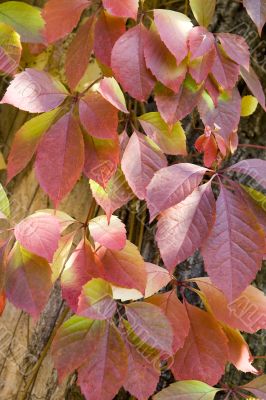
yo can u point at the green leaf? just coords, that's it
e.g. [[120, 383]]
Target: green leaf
[[26, 141], [171, 140], [248, 105], [4, 203], [257, 196], [187, 390], [11, 47], [24, 18], [203, 11]]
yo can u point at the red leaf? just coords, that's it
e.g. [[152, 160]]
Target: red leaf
[[77, 57], [226, 115], [82, 343], [234, 250], [162, 63], [28, 281], [253, 167], [254, 85], [183, 228], [257, 11], [172, 25], [116, 193], [111, 91], [26, 141], [96, 301], [108, 30], [140, 161], [122, 8], [200, 41], [98, 116], [225, 71], [239, 353], [176, 106], [128, 63], [205, 351], [143, 376], [236, 48], [175, 311], [101, 159], [82, 266], [34, 91], [39, 235], [60, 157], [124, 268], [208, 146], [246, 313], [171, 185], [111, 234], [61, 17], [199, 68], [150, 325], [212, 89]]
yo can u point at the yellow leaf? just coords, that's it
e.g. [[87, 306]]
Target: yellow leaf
[[2, 162], [248, 105]]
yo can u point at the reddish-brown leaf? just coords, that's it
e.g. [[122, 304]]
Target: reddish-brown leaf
[[60, 158], [205, 352], [108, 30], [78, 56], [61, 17], [234, 250], [128, 63]]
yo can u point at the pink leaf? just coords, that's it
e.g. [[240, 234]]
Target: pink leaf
[[111, 91], [257, 386], [128, 63], [257, 11], [236, 48], [176, 313], [157, 278], [108, 30], [143, 376], [111, 234], [78, 57], [39, 235], [183, 228], [171, 185], [34, 91], [82, 266], [204, 354], [254, 85], [254, 167], [162, 63], [124, 268], [98, 116], [226, 115], [96, 301], [60, 158], [200, 42], [149, 324], [172, 25], [101, 159], [224, 70], [28, 281], [140, 161], [122, 8], [199, 68], [234, 250], [176, 106], [61, 17], [116, 193]]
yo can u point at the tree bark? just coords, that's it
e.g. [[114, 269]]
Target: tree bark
[[23, 340]]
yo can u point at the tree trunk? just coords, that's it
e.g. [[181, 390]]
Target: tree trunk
[[24, 341]]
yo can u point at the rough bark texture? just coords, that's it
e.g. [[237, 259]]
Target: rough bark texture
[[22, 340]]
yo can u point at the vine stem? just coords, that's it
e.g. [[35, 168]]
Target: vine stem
[[253, 146], [132, 219], [142, 227], [37, 366], [186, 7]]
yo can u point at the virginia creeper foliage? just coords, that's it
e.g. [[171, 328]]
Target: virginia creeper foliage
[[116, 115]]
